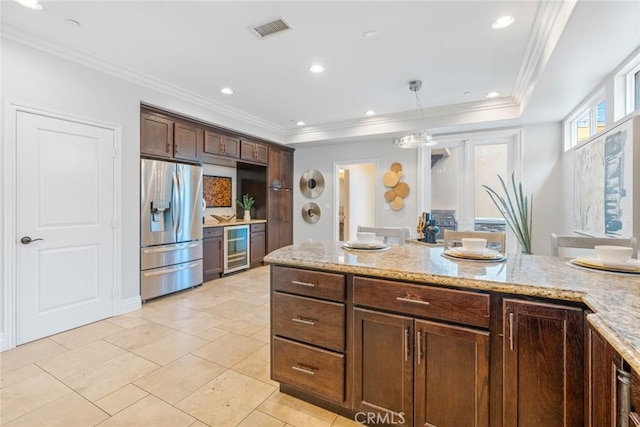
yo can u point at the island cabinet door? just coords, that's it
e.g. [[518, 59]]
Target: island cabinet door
[[383, 361], [543, 365], [451, 376], [600, 370]]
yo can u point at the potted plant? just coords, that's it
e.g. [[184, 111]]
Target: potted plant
[[517, 211], [246, 204]]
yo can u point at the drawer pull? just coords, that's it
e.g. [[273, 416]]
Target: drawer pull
[[416, 301], [303, 320], [296, 282], [307, 371]]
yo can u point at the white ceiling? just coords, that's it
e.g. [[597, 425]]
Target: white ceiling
[[550, 59]]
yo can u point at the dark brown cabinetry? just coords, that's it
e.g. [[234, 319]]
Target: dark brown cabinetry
[[161, 136], [279, 199], [543, 364], [258, 242], [308, 332], [254, 152], [600, 376], [187, 140], [212, 253], [411, 371], [220, 145]]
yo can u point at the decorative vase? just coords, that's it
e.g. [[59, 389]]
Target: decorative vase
[[247, 215]]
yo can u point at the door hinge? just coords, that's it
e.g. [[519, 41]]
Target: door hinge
[[114, 293], [115, 153], [114, 223]]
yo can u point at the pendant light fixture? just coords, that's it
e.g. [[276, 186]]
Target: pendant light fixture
[[420, 138]]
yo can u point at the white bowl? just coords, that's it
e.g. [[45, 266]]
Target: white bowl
[[365, 237], [618, 254], [473, 244]]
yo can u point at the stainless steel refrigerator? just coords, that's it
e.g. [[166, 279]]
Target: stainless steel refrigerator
[[170, 227]]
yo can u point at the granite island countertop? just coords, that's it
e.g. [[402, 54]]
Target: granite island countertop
[[614, 298]]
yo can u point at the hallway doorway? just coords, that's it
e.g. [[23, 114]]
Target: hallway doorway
[[354, 190]]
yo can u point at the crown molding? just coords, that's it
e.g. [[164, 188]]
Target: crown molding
[[136, 77], [549, 24]]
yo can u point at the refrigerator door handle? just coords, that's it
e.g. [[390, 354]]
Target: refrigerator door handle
[[175, 201]]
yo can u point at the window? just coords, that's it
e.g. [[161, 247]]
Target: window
[[586, 122], [633, 88]]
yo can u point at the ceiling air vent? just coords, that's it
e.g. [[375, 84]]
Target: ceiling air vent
[[275, 26]]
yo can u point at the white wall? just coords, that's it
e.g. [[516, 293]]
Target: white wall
[[362, 196], [323, 158]]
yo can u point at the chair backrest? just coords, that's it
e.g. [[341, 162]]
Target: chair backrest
[[453, 238], [389, 235], [586, 242]]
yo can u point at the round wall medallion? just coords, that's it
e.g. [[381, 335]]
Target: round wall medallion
[[311, 212], [312, 183]]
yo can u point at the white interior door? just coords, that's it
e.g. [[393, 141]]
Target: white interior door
[[65, 189]]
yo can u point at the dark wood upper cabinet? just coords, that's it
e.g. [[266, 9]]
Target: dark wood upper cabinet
[[254, 152], [187, 140], [156, 135], [543, 365], [280, 168], [221, 145]]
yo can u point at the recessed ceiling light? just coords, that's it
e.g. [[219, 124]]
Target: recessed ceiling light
[[370, 34], [31, 4], [493, 94], [316, 68], [226, 91], [300, 123], [370, 113], [503, 22]]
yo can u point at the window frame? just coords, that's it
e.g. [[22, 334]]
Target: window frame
[[589, 107], [632, 90]]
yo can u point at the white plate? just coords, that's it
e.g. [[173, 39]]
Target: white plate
[[484, 252], [364, 245], [631, 264]]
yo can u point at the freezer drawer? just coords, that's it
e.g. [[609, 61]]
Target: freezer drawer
[[161, 281], [159, 256]]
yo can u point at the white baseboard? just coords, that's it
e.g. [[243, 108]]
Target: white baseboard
[[128, 305], [5, 342]]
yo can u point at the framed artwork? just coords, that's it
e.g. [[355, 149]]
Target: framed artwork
[[604, 170], [217, 191]]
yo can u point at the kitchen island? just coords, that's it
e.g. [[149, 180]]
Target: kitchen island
[[421, 298]]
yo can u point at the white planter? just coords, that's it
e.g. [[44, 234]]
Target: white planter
[[247, 215]]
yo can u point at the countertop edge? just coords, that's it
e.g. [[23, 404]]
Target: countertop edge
[[230, 224]]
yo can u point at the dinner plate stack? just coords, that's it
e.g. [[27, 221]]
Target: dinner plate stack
[[488, 255], [630, 266]]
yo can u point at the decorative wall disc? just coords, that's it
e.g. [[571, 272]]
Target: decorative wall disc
[[311, 212], [312, 183]]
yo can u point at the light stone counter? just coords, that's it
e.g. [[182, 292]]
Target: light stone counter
[[614, 298], [237, 221]]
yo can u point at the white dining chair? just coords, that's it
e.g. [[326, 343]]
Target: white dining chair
[[562, 246], [389, 235]]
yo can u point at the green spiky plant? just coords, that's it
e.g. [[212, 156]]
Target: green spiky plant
[[247, 202], [517, 211]]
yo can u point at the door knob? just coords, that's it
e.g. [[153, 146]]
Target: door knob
[[26, 240]]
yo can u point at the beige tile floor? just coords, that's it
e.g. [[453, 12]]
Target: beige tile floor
[[195, 358]]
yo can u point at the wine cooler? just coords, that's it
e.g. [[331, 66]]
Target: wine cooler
[[236, 248]]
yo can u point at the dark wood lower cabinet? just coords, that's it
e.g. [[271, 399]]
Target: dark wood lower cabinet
[[543, 365], [414, 372], [212, 253], [451, 376], [601, 364]]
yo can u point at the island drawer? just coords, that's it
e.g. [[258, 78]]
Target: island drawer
[[313, 321], [309, 283], [316, 370], [210, 232], [464, 307]]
